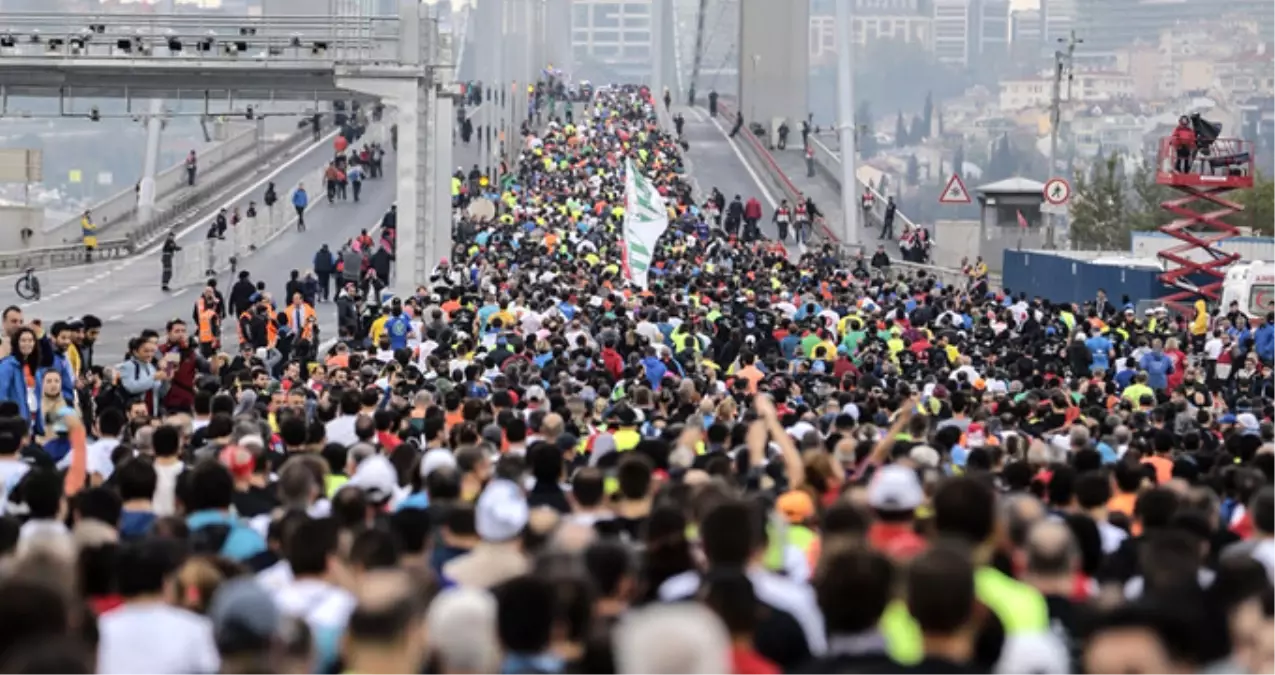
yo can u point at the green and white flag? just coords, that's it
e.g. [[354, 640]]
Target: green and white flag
[[645, 219]]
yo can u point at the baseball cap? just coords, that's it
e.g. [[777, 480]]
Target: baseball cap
[[239, 460], [1248, 421], [501, 512], [895, 488], [438, 458], [243, 616], [795, 506], [377, 478], [535, 393], [1228, 418]]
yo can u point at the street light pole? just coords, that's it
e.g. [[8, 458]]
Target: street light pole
[[846, 125]]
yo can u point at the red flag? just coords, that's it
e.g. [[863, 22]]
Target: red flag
[[1022, 222]]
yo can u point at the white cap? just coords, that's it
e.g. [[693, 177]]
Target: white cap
[[1247, 421], [501, 512], [438, 458], [377, 477], [895, 488]]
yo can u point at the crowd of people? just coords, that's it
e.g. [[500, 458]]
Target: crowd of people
[[758, 462]]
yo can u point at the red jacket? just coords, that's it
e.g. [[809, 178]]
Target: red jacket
[[752, 209], [613, 362], [1184, 137]]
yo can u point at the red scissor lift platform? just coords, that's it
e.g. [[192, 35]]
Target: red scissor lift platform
[[1224, 165]]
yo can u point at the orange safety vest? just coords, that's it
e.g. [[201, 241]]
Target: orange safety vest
[[239, 324], [306, 329], [207, 333]]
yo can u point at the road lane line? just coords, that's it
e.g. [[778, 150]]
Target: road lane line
[[747, 167]]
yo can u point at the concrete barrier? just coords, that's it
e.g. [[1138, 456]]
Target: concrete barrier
[[138, 239], [122, 206]]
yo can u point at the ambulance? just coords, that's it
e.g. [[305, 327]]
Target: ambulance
[[1252, 285]]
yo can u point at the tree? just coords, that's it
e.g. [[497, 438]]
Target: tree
[[1003, 162], [1099, 208], [919, 130], [914, 171], [958, 161], [927, 117], [1109, 205], [900, 131], [867, 139], [1259, 207]]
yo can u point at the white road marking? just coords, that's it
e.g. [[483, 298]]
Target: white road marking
[[145, 307], [117, 317], [747, 167]]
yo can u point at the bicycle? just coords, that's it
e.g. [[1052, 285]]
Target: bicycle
[[28, 285]]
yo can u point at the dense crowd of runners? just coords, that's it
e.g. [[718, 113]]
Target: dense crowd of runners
[[757, 463]]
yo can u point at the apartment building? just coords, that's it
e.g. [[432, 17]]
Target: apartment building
[[971, 33]]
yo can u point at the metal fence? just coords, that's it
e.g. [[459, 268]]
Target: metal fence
[[193, 263]]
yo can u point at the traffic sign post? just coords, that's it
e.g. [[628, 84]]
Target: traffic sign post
[[1057, 191], [954, 192]]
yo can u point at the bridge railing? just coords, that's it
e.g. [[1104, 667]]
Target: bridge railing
[[122, 206], [777, 178], [165, 221], [828, 164]]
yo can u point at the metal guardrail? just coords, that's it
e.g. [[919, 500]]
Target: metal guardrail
[[138, 240], [123, 205], [828, 163], [753, 146]]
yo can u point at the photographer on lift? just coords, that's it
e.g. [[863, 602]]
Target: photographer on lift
[[1183, 141]]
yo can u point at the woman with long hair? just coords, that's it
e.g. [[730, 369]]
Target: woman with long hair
[[20, 375]]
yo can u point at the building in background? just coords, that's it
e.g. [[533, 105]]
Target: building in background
[[971, 33], [1108, 25], [906, 21], [611, 39]]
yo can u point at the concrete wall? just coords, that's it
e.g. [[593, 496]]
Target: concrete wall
[[1000, 230], [15, 218], [955, 240], [774, 58]]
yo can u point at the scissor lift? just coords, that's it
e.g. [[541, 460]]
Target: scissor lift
[[1196, 267]]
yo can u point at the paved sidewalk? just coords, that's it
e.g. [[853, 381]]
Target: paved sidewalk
[[828, 198]]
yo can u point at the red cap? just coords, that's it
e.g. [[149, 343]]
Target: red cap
[[240, 461]]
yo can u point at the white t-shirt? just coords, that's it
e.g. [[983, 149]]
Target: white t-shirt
[[1213, 348], [155, 638], [341, 430], [99, 457], [318, 603], [11, 471], [165, 500]]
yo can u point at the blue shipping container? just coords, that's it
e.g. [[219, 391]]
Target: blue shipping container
[[1059, 278]]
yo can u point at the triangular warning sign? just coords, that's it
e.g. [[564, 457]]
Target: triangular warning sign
[[954, 192]]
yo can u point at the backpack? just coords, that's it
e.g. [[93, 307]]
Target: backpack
[[210, 539]]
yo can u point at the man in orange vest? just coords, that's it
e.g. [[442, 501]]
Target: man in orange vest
[[209, 329], [303, 325]]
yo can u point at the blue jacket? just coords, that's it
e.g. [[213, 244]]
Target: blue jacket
[[300, 199], [13, 387], [1264, 342], [1158, 367], [655, 370], [242, 542]]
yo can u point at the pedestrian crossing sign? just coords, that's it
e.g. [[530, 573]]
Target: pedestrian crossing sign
[[955, 192]]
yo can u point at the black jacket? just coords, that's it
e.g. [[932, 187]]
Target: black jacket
[[240, 296]]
